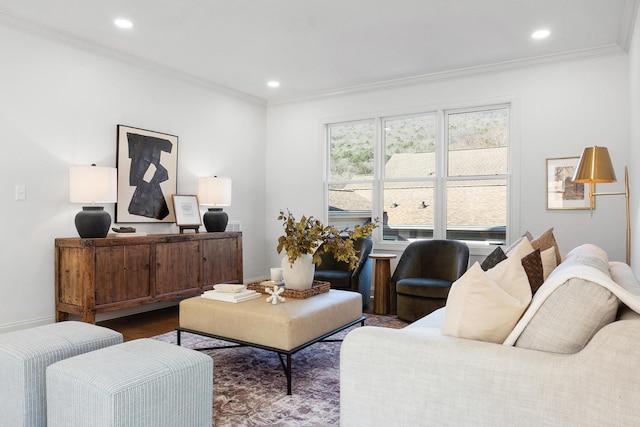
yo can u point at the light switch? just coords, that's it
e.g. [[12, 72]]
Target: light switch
[[21, 192]]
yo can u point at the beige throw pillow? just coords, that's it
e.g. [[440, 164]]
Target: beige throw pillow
[[548, 257], [521, 250], [545, 241], [525, 235], [486, 306]]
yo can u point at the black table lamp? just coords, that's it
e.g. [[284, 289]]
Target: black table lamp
[[216, 192], [92, 184]]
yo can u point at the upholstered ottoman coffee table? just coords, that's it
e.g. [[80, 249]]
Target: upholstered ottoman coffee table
[[284, 328]]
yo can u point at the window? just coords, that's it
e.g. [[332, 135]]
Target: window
[[409, 176], [351, 172], [440, 174], [477, 174]]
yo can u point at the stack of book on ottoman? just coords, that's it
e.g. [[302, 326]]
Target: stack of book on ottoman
[[231, 293]]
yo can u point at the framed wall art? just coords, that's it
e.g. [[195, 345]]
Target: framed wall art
[[562, 192], [187, 211], [147, 164]]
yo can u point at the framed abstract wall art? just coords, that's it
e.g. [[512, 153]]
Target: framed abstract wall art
[[147, 163], [562, 192]]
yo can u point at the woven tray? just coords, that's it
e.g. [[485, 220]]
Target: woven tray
[[317, 288]]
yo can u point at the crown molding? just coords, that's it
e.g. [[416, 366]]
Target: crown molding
[[628, 23], [101, 50], [501, 67], [624, 40]]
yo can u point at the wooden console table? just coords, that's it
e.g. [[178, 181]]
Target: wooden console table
[[113, 273]]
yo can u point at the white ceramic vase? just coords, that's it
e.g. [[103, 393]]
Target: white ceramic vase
[[300, 276]]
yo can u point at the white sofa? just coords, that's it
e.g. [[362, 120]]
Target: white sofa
[[569, 361]]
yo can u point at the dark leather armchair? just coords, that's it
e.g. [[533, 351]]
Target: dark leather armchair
[[426, 270], [341, 277]]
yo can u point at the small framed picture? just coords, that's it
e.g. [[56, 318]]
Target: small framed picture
[[562, 192], [187, 210]]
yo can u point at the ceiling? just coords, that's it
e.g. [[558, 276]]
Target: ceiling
[[316, 47]]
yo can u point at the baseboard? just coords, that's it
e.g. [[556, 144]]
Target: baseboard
[[31, 323], [8, 327], [25, 324]]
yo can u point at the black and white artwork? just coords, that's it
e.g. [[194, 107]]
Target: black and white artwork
[[147, 164]]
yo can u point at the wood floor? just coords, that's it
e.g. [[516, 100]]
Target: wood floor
[[144, 325]]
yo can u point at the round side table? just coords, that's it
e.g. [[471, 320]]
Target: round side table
[[381, 303]]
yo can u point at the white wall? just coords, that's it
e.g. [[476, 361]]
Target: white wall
[[59, 106], [634, 146], [558, 110]]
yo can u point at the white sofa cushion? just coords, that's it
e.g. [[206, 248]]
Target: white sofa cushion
[[624, 277], [433, 320]]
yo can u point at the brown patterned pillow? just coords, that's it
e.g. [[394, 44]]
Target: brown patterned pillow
[[493, 259], [532, 265], [545, 241]]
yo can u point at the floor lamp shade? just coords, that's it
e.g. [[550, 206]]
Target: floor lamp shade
[[92, 184], [216, 192], [595, 167]]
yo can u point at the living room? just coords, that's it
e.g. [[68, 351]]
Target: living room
[[62, 101], [64, 96]]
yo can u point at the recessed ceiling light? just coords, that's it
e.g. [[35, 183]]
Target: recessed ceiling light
[[273, 84], [123, 23], [540, 34]]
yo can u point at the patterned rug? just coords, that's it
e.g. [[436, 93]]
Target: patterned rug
[[250, 388]]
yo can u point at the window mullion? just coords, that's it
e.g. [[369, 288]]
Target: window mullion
[[440, 214], [378, 178]]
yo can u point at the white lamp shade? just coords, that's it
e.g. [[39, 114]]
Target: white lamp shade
[[214, 191], [93, 184]]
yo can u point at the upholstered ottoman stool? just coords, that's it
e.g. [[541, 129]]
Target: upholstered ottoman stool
[[285, 328], [141, 383], [24, 357]]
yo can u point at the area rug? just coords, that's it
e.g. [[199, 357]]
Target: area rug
[[250, 388]]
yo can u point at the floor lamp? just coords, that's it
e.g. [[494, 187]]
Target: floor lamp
[[595, 167]]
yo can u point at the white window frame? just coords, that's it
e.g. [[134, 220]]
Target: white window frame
[[512, 176]]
